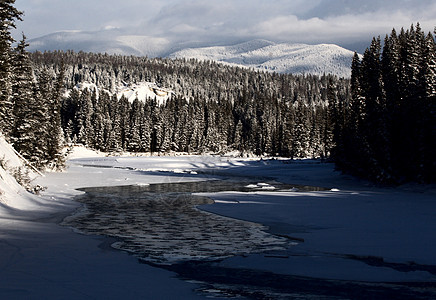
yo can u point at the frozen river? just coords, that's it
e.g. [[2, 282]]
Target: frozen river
[[240, 236], [205, 226]]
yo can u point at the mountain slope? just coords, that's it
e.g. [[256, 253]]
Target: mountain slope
[[281, 58], [257, 54], [105, 41]]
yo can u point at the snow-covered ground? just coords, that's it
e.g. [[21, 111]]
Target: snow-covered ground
[[350, 231]]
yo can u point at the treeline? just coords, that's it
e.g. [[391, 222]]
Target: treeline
[[215, 109], [29, 101], [388, 132]]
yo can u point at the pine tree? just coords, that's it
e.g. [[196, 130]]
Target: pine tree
[[8, 15], [69, 108], [114, 139], [97, 122], [30, 112], [134, 133], [123, 111], [23, 94], [427, 112], [182, 131], [286, 130], [374, 128], [50, 94], [301, 131], [83, 118]]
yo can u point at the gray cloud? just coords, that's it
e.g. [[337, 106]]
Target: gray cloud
[[308, 21]]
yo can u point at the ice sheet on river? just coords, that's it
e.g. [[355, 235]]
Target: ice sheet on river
[[161, 224]]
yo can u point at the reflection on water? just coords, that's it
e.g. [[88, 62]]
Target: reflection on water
[[160, 223]]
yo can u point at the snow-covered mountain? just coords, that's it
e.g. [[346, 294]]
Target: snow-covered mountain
[[105, 41], [257, 54], [280, 58]]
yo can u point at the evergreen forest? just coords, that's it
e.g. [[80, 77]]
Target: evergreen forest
[[380, 124], [388, 129], [214, 108]]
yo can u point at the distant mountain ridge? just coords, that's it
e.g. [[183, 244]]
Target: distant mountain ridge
[[280, 58], [256, 54]]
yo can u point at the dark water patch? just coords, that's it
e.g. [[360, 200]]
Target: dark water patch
[[377, 261], [258, 284], [160, 223], [231, 177], [241, 184]]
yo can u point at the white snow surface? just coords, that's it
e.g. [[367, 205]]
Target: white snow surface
[[350, 218]]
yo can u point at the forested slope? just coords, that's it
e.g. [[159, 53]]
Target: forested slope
[[215, 108]]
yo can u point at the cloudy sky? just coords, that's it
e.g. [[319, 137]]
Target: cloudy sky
[[344, 22]]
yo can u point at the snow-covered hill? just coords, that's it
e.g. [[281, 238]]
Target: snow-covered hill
[[141, 91], [258, 54], [280, 58]]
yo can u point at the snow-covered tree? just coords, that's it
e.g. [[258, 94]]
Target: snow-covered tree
[[8, 15]]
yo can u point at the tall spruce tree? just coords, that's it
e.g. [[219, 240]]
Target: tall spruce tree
[[8, 15], [30, 113], [49, 92]]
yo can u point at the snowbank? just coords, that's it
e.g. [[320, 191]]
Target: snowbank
[[14, 199], [80, 151]]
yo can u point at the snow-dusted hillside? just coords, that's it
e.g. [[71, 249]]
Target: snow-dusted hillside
[[142, 91], [258, 54], [280, 58]]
